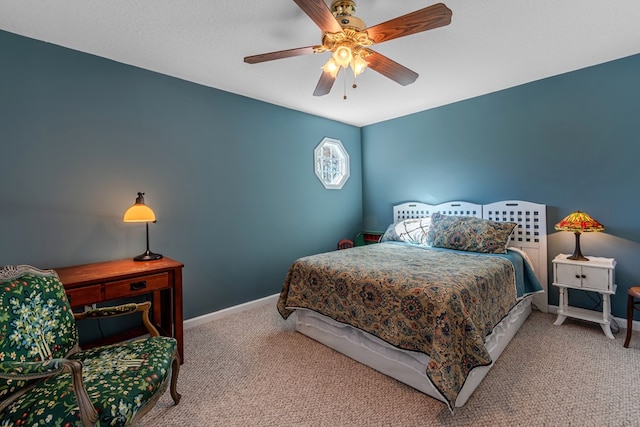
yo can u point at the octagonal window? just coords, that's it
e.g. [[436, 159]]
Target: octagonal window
[[331, 163]]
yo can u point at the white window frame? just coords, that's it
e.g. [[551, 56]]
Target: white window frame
[[331, 163]]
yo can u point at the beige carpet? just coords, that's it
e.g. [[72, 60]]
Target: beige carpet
[[253, 369]]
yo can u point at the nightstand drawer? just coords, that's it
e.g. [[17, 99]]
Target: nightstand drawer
[[84, 296], [136, 286], [596, 278], [568, 275], [583, 277]]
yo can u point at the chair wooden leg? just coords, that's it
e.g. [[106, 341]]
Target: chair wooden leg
[[175, 369], [629, 320]]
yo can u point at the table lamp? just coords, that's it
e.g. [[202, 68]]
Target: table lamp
[[140, 212], [578, 222]]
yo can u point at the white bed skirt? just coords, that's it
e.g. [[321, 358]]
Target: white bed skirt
[[406, 366]]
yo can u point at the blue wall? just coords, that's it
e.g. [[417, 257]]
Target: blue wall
[[570, 142], [230, 178]]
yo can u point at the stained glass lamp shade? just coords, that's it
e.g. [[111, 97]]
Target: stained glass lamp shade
[[578, 223]]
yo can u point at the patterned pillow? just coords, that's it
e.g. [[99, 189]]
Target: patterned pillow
[[466, 233], [412, 230]]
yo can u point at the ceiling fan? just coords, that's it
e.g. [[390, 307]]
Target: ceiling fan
[[347, 37]]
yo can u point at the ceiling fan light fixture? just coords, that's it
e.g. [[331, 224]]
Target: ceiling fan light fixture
[[331, 67], [343, 56], [358, 65]]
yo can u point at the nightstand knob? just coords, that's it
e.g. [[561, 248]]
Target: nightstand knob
[[584, 277], [577, 276]]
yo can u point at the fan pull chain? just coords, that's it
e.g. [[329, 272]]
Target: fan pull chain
[[344, 84], [344, 81]]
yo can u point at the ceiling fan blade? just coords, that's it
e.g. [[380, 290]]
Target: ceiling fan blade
[[324, 84], [425, 19], [279, 54], [319, 12], [391, 69]]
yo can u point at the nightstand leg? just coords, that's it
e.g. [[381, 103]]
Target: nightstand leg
[[561, 307], [606, 316], [607, 330]]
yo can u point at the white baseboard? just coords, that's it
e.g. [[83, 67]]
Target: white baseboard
[[622, 323], [206, 318]]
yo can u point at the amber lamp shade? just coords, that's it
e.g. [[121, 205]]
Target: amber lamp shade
[[578, 222], [140, 212]]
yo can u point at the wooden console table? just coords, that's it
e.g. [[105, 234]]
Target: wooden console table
[[104, 281]]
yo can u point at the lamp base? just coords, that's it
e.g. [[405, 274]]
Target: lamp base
[[577, 253], [147, 256], [579, 257]]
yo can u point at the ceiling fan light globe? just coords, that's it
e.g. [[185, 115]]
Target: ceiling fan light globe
[[343, 56], [358, 65], [331, 67]]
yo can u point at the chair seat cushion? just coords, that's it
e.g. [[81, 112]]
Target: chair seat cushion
[[121, 380]]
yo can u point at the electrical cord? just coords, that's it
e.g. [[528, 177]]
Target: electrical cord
[[597, 301], [100, 327], [615, 328]]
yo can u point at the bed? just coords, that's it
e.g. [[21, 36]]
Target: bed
[[436, 302]]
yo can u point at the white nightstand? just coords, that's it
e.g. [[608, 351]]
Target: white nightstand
[[595, 275]]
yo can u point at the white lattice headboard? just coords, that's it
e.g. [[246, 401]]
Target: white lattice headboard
[[529, 236], [422, 210], [530, 217]]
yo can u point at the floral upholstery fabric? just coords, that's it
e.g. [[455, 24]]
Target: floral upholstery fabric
[[465, 233], [120, 380], [38, 336], [36, 324], [439, 302]]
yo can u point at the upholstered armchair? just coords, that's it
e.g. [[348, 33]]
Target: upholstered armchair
[[47, 380]]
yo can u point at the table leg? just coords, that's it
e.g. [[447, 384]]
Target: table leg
[[606, 315], [561, 307]]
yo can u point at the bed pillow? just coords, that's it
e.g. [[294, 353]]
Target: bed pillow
[[390, 234], [412, 230], [466, 233]]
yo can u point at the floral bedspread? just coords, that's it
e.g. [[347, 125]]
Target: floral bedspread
[[439, 302]]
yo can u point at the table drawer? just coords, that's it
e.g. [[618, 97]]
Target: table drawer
[[87, 295], [136, 286], [598, 279]]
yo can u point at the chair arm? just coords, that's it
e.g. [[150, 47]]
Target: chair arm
[[13, 370], [121, 310], [88, 414], [33, 370]]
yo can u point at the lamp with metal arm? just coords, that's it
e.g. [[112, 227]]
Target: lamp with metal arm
[[140, 212]]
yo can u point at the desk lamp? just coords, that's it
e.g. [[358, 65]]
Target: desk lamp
[[578, 222], [140, 212]]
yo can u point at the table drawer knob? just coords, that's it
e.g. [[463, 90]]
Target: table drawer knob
[[136, 286]]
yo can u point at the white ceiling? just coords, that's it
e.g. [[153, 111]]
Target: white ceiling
[[490, 45]]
